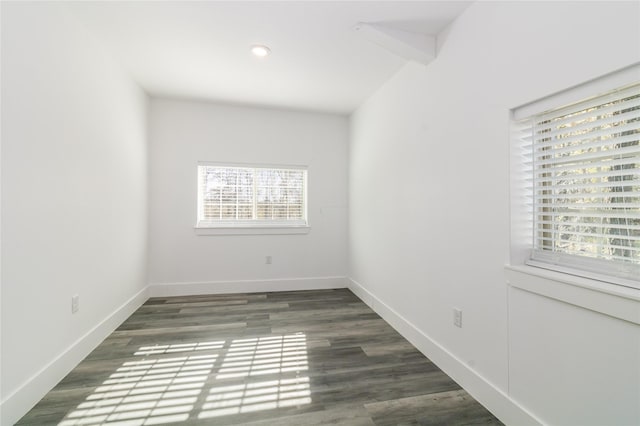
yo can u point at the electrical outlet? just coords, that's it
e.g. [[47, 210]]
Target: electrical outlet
[[75, 303], [267, 260], [457, 317]]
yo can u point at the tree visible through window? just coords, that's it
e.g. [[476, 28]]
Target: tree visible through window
[[251, 195], [586, 182]]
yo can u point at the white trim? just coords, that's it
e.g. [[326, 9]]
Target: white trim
[[584, 271], [251, 230], [21, 400], [585, 90], [254, 165], [525, 244], [489, 395], [245, 286], [608, 299]]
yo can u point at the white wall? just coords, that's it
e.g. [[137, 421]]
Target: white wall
[[74, 197], [429, 204], [570, 364], [183, 133]]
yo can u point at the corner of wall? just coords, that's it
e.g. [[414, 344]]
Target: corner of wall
[[245, 286], [494, 399], [15, 405]]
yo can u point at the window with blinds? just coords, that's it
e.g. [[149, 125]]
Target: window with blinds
[[251, 196], [585, 184]]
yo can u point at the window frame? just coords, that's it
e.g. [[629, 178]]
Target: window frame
[[522, 188], [252, 226]]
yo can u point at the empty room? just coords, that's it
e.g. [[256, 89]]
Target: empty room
[[320, 212]]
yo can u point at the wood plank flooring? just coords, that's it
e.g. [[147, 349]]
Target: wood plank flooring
[[286, 358]]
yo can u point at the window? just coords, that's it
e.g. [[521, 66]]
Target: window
[[240, 196], [585, 184]]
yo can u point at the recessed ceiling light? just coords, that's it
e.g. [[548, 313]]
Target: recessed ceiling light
[[260, 50]]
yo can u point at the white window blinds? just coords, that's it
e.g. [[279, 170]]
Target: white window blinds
[[251, 196], [585, 187]]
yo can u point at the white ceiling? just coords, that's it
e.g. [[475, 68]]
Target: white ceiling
[[200, 49]]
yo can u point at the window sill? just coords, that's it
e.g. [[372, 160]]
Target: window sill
[[252, 230], [606, 298]]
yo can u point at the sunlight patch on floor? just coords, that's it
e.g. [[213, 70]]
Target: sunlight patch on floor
[[156, 390], [223, 401]]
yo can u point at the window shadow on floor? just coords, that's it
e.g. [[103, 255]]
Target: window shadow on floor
[[173, 383]]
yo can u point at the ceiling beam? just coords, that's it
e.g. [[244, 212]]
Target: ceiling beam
[[409, 45]]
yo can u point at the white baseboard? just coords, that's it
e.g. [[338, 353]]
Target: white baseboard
[[498, 402], [19, 402], [245, 286]]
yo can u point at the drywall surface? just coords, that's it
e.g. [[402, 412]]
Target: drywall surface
[[182, 133], [573, 365], [74, 193], [429, 196]]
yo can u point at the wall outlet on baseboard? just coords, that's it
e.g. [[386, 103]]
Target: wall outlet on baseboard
[[267, 260], [457, 317], [75, 303]]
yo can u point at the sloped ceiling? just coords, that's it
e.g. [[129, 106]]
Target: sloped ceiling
[[201, 49]]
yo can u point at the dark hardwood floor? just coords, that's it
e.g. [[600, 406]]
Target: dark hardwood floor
[[286, 358]]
